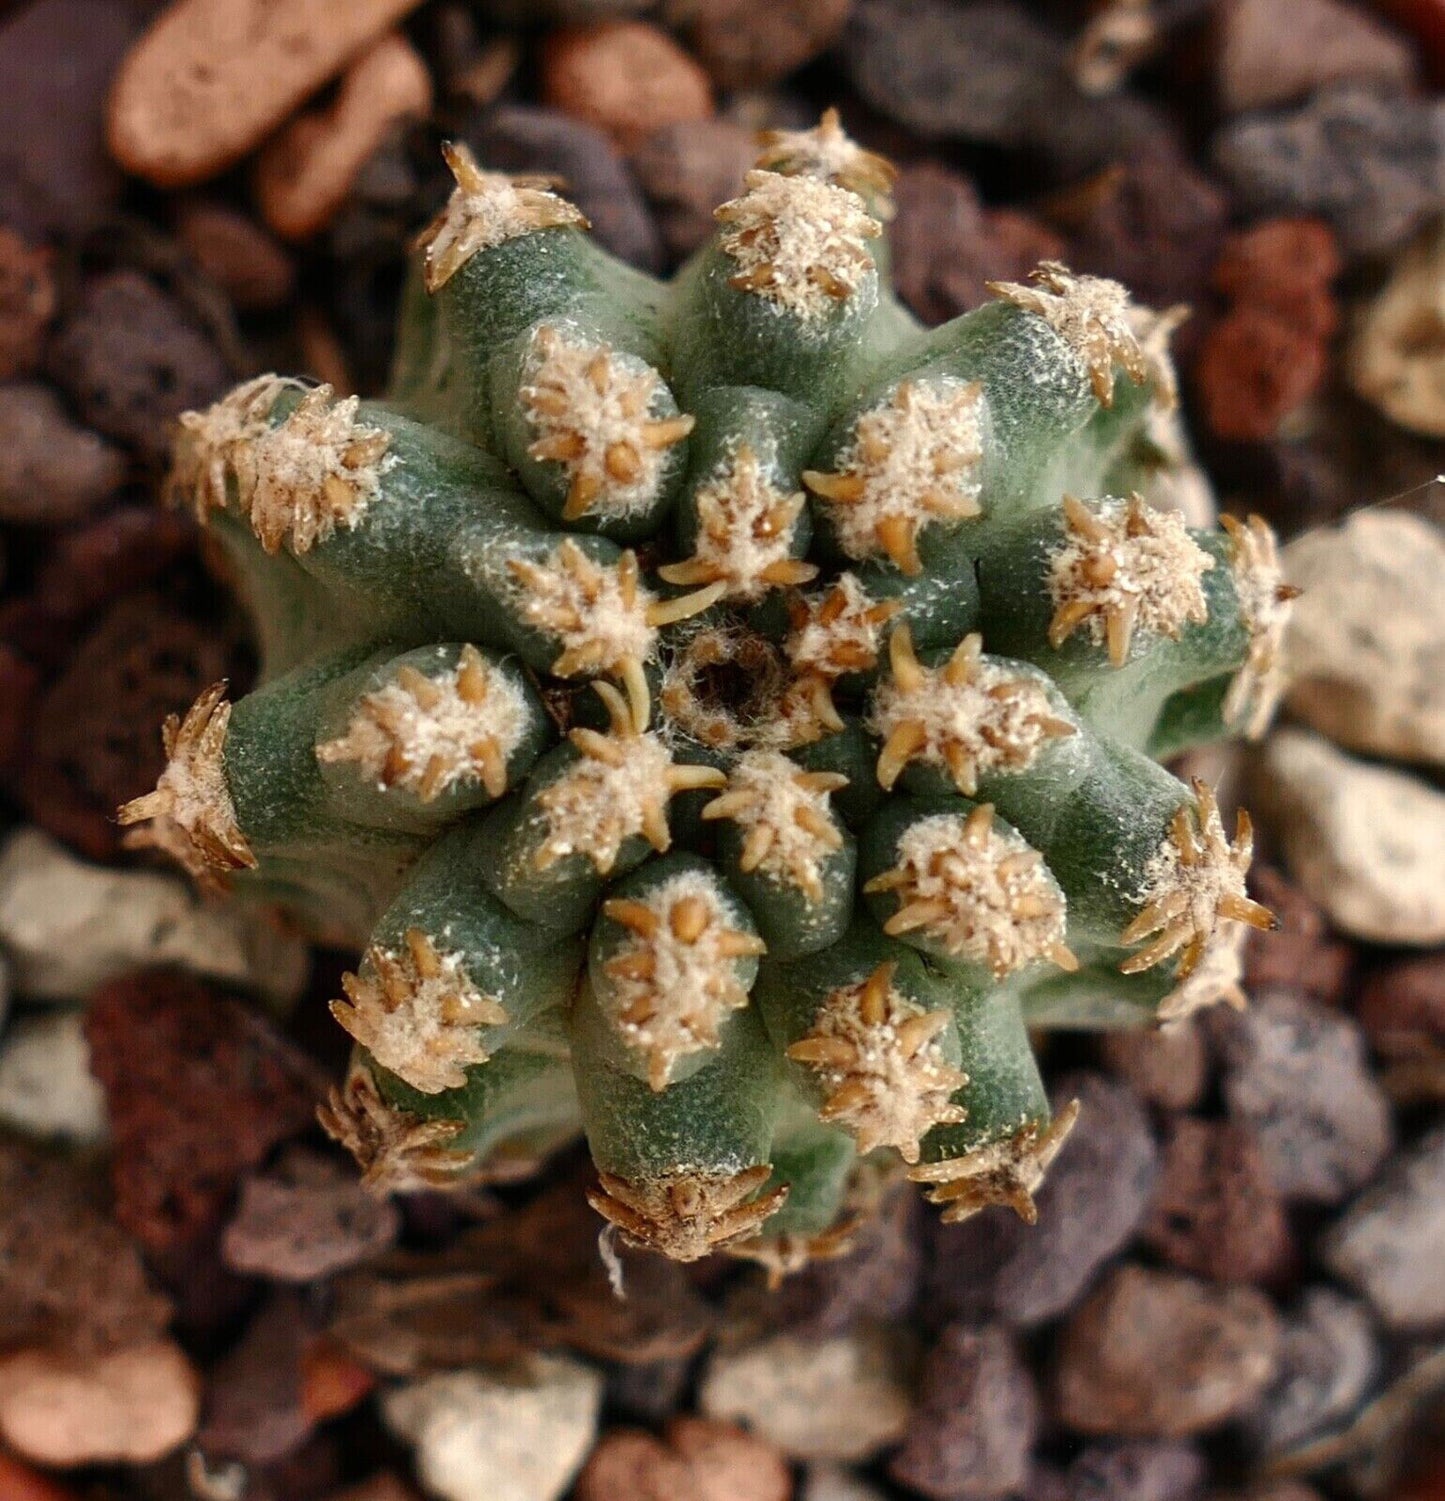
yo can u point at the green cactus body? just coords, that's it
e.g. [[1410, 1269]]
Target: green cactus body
[[723, 714]]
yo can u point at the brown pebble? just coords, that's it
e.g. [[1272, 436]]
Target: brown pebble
[[1168, 1066], [332, 1382], [212, 78], [1156, 1354], [199, 1089], [625, 77], [1252, 371], [749, 44], [27, 303], [51, 470], [1304, 954], [305, 172], [1283, 266], [132, 360], [1402, 1010], [237, 254], [688, 169], [696, 1460], [18, 1482], [133, 1406], [1215, 1212]]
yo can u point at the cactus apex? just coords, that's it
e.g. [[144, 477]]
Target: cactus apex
[[487, 209], [1265, 601], [617, 789], [966, 717], [1125, 566], [590, 411], [1090, 314], [979, 891], [837, 632], [744, 535], [798, 243], [190, 815], [688, 1215], [827, 153], [1008, 1171], [418, 1013], [913, 460], [427, 734], [782, 812], [1193, 893], [877, 1054], [397, 1152], [674, 979]]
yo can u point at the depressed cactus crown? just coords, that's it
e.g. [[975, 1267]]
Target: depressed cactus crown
[[724, 715]]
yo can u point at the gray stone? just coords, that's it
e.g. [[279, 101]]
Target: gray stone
[[1094, 1198], [1370, 161], [1328, 1359], [1154, 1354], [840, 1399], [973, 1429], [486, 1435], [51, 470], [46, 1087], [67, 927], [1297, 1073], [1391, 1242], [1365, 842], [1403, 374], [831, 1482], [1135, 1470], [1167, 1066], [1366, 641]]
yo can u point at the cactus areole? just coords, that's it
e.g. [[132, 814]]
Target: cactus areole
[[724, 715]]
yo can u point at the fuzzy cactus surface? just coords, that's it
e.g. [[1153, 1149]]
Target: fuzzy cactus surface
[[726, 716]]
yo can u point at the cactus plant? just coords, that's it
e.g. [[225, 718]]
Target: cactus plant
[[726, 716]]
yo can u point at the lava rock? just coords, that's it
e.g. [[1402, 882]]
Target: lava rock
[[51, 470], [1366, 843], [1302, 954], [1094, 1198], [254, 1411], [132, 362], [688, 169], [1215, 1212], [27, 303], [1298, 1076], [237, 254], [977, 1415], [1155, 1354], [1369, 161], [1328, 1360], [1167, 1067], [200, 1089], [1134, 1470], [750, 44], [521, 138], [946, 246], [1402, 1009], [56, 62], [305, 1219], [1391, 1242]]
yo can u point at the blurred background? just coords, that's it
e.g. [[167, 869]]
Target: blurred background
[[1236, 1288]]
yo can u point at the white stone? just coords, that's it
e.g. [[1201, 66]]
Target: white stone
[[1366, 644], [46, 1086], [1365, 842], [481, 1435], [1397, 359], [1391, 1242], [831, 1482], [67, 927], [840, 1399], [132, 1406]]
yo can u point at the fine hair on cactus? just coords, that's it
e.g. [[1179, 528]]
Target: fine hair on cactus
[[726, 717]]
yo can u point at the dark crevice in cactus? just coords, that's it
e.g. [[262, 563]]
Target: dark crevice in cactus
[[721, 714]]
